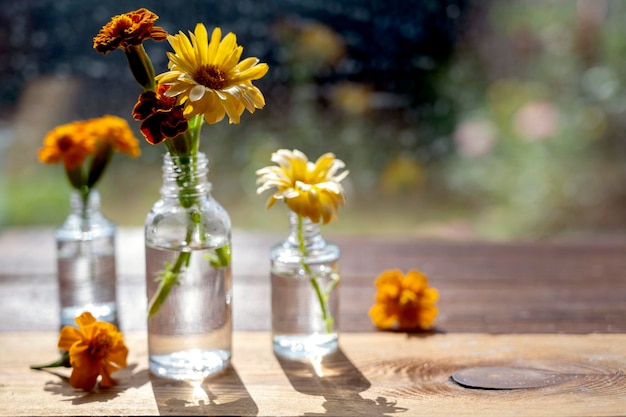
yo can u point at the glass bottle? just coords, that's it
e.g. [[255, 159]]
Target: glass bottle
[[188, 241], [305, 292], [86, 261]]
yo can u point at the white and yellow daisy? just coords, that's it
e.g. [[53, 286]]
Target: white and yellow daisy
[[309, 189]]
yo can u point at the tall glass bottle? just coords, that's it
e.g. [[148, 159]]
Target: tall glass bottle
[[305, 292], [86, 261], [188, 273]]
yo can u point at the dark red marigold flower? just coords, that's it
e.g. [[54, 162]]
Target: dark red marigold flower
[[161, 117]]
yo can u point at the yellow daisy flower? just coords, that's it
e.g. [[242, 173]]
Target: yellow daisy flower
[[404, 302], [208, 78], [310, 189]]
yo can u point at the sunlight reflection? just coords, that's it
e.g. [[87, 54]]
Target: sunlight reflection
[[316, 363], [199, 396]]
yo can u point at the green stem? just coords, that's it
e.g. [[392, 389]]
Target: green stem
[[223, 256], [170, 274], [99, 164], [140, 66], [64, 361], [185, 148], [169, 279], [84, 196], [328, 320], [195, 125]]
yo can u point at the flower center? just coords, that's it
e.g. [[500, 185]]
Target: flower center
[[121, 25], [210, 76], [407, 298], [65, 143], [99, 346]]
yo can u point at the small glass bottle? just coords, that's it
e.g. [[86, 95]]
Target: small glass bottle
[[86, 261], [188, 241], [305, 292]]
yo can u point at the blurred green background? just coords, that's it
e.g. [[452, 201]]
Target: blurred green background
[[457, 119]]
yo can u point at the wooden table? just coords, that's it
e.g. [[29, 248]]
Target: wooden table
[[555, 307]]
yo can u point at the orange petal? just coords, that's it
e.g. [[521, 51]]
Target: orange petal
[[118, 355], [69, 336], [106, 371], [85, 319], [84, 375]]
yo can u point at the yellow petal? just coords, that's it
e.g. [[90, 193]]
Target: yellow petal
[[202, 43], [214, 45], [225, 49], [246, 64], [232, 106]]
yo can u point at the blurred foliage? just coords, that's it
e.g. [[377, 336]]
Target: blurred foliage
[[499, 119], [538, 145]]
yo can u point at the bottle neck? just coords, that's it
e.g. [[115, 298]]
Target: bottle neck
[[85, 206], [85, 221], [303, 232], [185, 176]]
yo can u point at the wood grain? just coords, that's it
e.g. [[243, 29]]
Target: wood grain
[[524, 287], [373, 374]]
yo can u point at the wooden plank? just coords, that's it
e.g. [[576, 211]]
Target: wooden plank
[[538, 287], [372, 374]]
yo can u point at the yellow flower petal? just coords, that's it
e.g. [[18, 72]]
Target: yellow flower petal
[[201, 44], [310, 189], [214, 44], [213, 64]]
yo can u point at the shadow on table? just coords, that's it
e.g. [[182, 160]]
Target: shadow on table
[[223, 394], [340, 383], [131, 379]]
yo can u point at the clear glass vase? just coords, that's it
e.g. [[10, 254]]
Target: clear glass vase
[[86, 261], [305, 292], [188, 273]]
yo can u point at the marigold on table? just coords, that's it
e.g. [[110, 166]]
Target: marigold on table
[[310, 189], [96, 348], [404, 302], [208, 78]]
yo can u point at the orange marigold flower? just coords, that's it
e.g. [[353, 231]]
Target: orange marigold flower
[[128, 29], [70, 143], [404, 302], [115, 132], [96, 348], [161, 117]]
